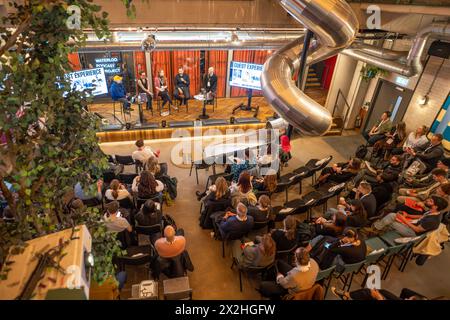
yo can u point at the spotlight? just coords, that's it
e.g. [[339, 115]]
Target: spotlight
[[423, 100], [149, 43]]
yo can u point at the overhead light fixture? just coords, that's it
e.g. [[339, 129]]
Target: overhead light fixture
[[424, 100]]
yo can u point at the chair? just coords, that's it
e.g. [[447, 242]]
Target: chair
[[374, 257], [212, 178], [326, 276], [286, 255], [135, 292], [347, 274], [212, 102], [391, 253], [136, 256], [283, 187], [229, 237], [154, 232], [178, 105], [255, 270], [91, 202], [139, 166], [311, 168], [177, 289], [201, 166], [125, 160], [127, 178], [292, 179], [258, 225], [156, 198]]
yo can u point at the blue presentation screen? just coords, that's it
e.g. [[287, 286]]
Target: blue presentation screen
[[245, 75]]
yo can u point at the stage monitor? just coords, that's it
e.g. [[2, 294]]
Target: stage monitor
[[93, 79], [245, 75]]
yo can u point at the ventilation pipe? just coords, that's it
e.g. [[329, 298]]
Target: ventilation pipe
[[335, 25], [383, 58]]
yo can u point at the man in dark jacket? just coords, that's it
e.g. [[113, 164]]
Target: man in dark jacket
[[238, 224], [364, 193], [430, 153]]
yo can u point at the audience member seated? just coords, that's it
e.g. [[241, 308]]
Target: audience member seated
[[329, 251], [219, 190], [425, 180], [364, 193], [261, 211], [236, 224], [143, 153], [80, 194], [393, 167], [383, 189], [393, 139], [114, 220], [414, 140], [291, 279], [412, 225], [379, 131], [241, 165], [155, 168], [149, 214], [357, 215], [439, 178], [339, 172], [146, 186], [8, 216], [243, 191], [333, 227], [171, 245], [260, 254], [117, 191], [429, 154], [286, 238], [267, 183], [375, 294]]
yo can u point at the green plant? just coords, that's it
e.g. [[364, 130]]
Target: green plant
[[369, 72], [50, 140]]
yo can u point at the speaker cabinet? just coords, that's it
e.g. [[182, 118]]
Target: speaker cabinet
[[440, 49]]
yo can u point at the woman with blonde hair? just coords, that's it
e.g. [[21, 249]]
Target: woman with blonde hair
[[262, 210], [117, 191], [161, 85]]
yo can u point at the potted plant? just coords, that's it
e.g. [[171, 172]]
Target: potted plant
[[369, 72]]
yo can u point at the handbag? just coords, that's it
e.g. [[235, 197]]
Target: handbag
[[417, 167]]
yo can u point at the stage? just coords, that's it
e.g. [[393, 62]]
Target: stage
[[152, 127]]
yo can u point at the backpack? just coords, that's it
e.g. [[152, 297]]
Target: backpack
[[361, 151], [171, 185], [169, 221], [305, 233]]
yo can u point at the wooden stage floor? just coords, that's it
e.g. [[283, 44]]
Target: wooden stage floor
[[223, 110]]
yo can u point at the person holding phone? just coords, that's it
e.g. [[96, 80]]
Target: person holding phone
[[114, 220]]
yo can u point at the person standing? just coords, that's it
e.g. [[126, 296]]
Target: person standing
[[144, 90], [161, 87], [182, 83], [210, 84]]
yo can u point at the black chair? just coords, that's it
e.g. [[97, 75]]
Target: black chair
[[212, 102], [201, 166], [254, 270], [156, 198], [125, 160], [293, 178], [293, 207], [154, 232], [139, 166], [286, 255], [92, 202], [136, 256], [310, 168], [230, 237], [282, 186], [258, 225], [212, 178], [127, 178]]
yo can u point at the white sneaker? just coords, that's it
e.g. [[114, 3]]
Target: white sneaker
[[165, 113]]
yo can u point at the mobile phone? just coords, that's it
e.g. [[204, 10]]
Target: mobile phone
[[119, 214], [327, 245]]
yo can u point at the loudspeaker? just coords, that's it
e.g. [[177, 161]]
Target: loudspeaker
[[440, 49]]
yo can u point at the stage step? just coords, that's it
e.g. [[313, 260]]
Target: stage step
[[313, 85]]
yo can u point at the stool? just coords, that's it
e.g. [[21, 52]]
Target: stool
[[114, 111]]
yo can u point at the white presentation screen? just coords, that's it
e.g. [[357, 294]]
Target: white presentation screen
[[89, 79], [245, 75]]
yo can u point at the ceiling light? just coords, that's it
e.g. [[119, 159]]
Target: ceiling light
[[423, 100]]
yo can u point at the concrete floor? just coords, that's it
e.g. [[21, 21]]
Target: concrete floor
[[213, 278]]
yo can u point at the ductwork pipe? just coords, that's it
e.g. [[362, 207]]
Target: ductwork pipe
[[335, 25], [381, 58], [382, 53]]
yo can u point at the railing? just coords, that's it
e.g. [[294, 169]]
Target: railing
[[341, 109], [434, 3]]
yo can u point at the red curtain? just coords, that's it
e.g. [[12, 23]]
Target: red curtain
[[139, 64], [161, 60], [74, 61], [251, 56], [218, 59], [190, 62]]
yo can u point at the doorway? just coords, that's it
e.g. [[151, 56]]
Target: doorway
[[388, 97]]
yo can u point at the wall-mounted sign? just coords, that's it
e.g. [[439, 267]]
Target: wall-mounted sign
[[93, 79], [110, 64], [401, 81]]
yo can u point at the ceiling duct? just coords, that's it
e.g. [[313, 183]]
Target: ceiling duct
[[335, 26], [383, 58]]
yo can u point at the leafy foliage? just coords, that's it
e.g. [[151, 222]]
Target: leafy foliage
[[50, 138], [369, 72]]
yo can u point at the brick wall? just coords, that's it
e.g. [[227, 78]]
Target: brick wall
[[416, 114]]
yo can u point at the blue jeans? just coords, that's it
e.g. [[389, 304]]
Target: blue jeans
[[390, 222], [374, 138]]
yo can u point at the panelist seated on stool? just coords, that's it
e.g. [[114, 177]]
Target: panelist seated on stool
[[210, 86], [182, 83], [143, 90], [118, 93], [161, 84]]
